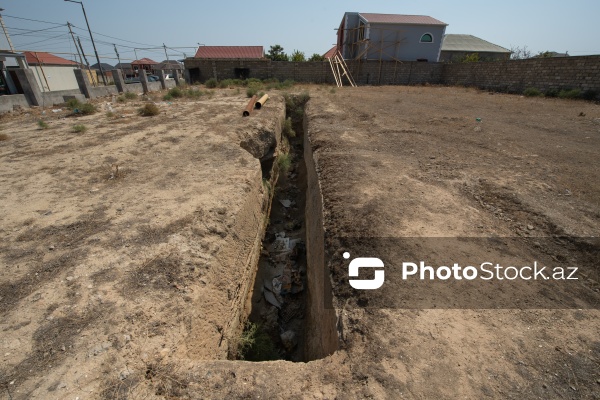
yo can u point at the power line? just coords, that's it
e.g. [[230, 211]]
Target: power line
[[45, 40], [28, 32], [33, 20], [122, 40]]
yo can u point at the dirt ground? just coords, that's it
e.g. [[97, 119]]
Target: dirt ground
[[124, 282]]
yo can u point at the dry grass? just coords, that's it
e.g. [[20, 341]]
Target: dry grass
[[149, 110], [4, 137]]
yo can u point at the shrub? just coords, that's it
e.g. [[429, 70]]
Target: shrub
[[570, 94], [251, 91], [130, 95], [110, 114], [87, 109], [175, 93], [73, 104], [79, 128], [287, 128], [532, 92], [167, 97], [149, 110], [121, 99], [551, 93], [255, 344], [284, 161], [42, 124], [211, 83], [194, 93]]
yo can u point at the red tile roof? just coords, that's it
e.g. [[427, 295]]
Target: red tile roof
[[401, 19], [41, 57], [144, 61], [230, 52], [331, 52]]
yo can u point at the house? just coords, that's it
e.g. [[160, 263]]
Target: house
[[169, 65], [457, 47], [52, 72], [368, 36], [221, 52], [106, 68], [146, 64], [126, 68]]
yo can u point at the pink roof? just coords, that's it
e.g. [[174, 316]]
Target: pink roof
[[230, 52], [144, 61], [401, 19], [41, 57], [331, 52]]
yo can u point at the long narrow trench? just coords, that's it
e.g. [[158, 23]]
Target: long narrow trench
[[275, 329]]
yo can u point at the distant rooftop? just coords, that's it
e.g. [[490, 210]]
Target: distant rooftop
[[470, 43], [41, 57], [401, 19], [230, 52], [331, 52], [144, 61]]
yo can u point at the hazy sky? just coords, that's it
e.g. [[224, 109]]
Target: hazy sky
[[307, 25]]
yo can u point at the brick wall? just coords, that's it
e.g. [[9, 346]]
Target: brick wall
[[512, 76]]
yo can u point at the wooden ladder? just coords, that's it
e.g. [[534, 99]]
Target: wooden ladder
[[340, 69]]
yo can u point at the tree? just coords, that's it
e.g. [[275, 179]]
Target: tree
[[316, 57], [470, 58], [297, 56], [276, 53], [544, 54], [519, 53]]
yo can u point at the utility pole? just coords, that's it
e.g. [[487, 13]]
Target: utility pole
[[119, 58], [91, 37], [75, 43], [5, 32], [86, 62], [166, 55]]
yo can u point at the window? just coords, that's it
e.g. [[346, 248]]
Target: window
[[427, 38]]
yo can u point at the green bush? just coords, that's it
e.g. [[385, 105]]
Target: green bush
[[551, 93], [251, 91], [130, 95], [284, 161], [79, 128], [121, 99], [570, 94], [149, 110], [287, 128], [73, 104], [532, 92], [175, 92], [167, 97], [194, 93], [256, 345], [42, 124], [211, 83], [88, 109]]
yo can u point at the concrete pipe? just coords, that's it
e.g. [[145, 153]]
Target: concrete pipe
[[249, 107], [262, 101]]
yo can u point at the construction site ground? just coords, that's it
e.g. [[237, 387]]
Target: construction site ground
[[121, 252]]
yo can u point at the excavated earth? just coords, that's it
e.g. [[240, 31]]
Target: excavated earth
[[130, 250]]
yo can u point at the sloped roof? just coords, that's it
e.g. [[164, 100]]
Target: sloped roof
[[401, 19], [470, 43], [105, 66], [169, 64], [331, 52], [144, 61], [41, 57], [230, 52]]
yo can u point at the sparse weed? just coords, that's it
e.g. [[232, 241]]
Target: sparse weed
[[73, 104], [255, 344], [79, 128], [570, 94], [175, 93], [287, 128], [284, 161], [149, 109], [87, 109], [130, 95], [211, 83], [532, 92], [251, 91], [110, 114], [43, 124]]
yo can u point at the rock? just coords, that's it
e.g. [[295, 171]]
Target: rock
[[51, 247], [288, 338], [530, 227], [124, 374], [70, 278]]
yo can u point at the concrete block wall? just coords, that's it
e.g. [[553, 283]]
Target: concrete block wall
[[517, 75], [510, 76]]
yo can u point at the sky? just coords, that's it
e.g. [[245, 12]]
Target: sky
[[308, 25]]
